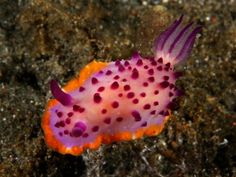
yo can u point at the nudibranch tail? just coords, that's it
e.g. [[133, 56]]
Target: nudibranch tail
[[175, 43], [58, 93]]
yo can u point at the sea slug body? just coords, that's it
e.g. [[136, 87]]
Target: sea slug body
[[118, 101]]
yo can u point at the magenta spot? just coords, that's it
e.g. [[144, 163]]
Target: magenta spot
[[126, 63], [76, 132], [120, 95], [114, 85], [107, 120], [135, 101], [81, 89], [153, 63], [126, 87], [62, 123], [109, 72], [129, 68], [147, 106], [85, 135], [166, 69], [150, 71], [166, 78], [156, 92], [136, 115], [104, 111], [116, 77], [97, 98], [145, 84], [57, 124], [115, 104], [68, 121], [161, 112], [151, 79], [170, 94], [135, 74], [146, 67], [101, 89], [59, 114], [66, 132], [81, 109], [130, 95], [124, 80], [60, 134], [139, 63], [121, 68], [143, 94], [160, 60], [144, 124], [76, 107], [101, 72], [159, 68], [155, 103], [167, 65], [95, 128], [70, 114], [153, 112], [119, 119], [117, 63], [164, 84], [94, 80], [172, 86]]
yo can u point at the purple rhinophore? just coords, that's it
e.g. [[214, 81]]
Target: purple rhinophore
[[61, 96]]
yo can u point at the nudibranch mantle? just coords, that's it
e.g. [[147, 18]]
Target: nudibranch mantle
[[121, 100]]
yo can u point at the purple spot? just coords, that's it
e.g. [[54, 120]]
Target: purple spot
[[78, 129], [143, 94], [119, 119], [130, 95], [136, 115], [76, 108], [146, 67], [81, 89], [120, 95], [172, 86], [66, 132], [135, 101], [166, 78], [153, 112], [109, 72], [117, 63], [126, 63], [76, 132], [60, 133], [116, 77], [147, 106], [167, 65], [115, 104], [161, 112], [101, 89], [164, 84], [97, 98], [139, 62], [59, 114], [159, 68], [124, 80], [145, 84], [57, 124], [129, 68], [68, 121], [156, 92], [121, 68], [114, 85], [151, 79], [107, 120], [94, 80], [155, 103], [170, 94], [126, 87], [135, 74], [101, 72], [95, 128], [166, 69], [104, 111], [150, 71], [153, 63], [85, 135], [62, 123], [144, 124], [70, 114], [160, 60]]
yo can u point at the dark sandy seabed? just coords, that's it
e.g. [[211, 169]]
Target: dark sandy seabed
[[42, 40]]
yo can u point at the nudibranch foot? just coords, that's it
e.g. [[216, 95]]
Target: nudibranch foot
[[118, 101]]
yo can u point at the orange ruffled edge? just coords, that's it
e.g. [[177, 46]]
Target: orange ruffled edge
[[75, 83]]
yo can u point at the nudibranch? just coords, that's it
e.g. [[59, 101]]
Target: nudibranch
[[118, 101]]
